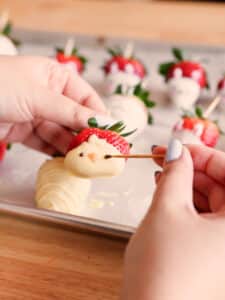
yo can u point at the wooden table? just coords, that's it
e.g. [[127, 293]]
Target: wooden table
[[42, 262]]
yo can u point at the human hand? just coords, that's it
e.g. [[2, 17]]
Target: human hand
[[42, 102], [176, 252]]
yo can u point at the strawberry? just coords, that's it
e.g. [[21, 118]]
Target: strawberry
[[3, 148], [206, 130], [221, 84], [184, 68], [119, 62], [142, 94], [6, 31], [112, 134], [75, 59]]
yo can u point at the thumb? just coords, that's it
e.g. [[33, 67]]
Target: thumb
[[175, 187], [60, 109]]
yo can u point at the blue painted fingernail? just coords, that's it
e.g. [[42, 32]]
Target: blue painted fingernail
[[174, 150]]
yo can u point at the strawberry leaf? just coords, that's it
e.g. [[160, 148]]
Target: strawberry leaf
[[199, 112], [92, 122], [150, 119], [177, 53], [220, 130], [143, 95], [74, 52], [15, 41], [59, 50], [83, 59], [117, 127], [119, 90], [128, 133], [7, 29], [207, 86], [9, 146], [165, 67], [114, 52]]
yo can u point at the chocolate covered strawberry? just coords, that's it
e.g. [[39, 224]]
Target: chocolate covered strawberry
[[71, 57], [113, 135], [7, 43], [132, 106], [185, 80], [195, 129], [3, 148], [123, 69], [221, 88]]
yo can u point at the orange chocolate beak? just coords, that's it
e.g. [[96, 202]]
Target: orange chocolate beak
[[92, 156]]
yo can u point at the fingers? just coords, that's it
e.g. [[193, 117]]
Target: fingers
[[78, 89], [211, 189], [60, 109], [201, 203], [205, 159], [55, 135], [209, 161], [38, 144], [174, 189], [159, 150]]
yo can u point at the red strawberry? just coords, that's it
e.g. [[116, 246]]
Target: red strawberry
[[125, 64], [206, 130], [3, 148], [76, 59], [184, 68], [110, 134], [188, 69], [221, 84]]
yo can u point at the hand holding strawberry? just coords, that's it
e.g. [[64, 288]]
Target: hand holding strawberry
[[46, 104], [195, 129]]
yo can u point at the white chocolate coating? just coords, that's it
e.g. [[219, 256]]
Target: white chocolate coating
[[63, 184], [6, 46], [113, 80], [97, 166], [58, 189], [130, 110], [187, 137], [183, 92]]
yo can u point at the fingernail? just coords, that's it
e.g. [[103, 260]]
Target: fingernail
[[174, 150], [153, 147]]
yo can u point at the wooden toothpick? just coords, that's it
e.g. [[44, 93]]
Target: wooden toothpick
[[211, 107], [108, 156]]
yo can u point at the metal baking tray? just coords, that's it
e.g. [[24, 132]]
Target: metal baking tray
[[115, 206]]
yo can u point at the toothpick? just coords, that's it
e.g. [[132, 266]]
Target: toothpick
[[4, 18], [128, 50], [211, 107], [69, 47], [126, 156]]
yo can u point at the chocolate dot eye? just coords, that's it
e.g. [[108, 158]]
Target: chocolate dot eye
[[81, 154]]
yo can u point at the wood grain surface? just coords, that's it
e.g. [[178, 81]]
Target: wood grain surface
[[42, 262], [191, 22]]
